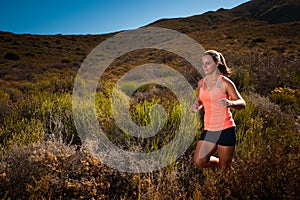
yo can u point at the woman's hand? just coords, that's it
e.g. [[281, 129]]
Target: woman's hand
[[236, 100], [236, 104], [195, 107], [225, 103]]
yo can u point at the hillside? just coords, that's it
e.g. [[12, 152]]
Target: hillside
[[41, 151], [271, 11], [239, 33], [229, 30]]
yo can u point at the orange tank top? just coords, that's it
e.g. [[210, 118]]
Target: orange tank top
[[216, 117]]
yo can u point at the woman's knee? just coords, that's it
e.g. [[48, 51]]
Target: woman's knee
[[201, 162]]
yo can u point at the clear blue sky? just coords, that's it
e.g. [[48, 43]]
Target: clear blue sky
[[96, 16]]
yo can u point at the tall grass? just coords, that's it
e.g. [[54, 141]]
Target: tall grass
[[38, 158], [36, 117]]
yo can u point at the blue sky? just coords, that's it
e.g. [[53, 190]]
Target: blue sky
[[97, 16]]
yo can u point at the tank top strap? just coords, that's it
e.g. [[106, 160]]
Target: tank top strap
[[219, 81], [203, 82]]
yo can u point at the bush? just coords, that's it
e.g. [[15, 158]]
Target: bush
[[11, 56], [287, 98], [38, 116], [51, 171], [14, 94], [259, 40], [271, 173], [66, 60], [266, 71], [241, 78], [4, 107], [31, 55], [21, 132]]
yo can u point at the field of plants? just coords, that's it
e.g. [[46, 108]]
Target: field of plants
[[42, 156]]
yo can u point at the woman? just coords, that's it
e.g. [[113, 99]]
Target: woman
[[217, 94]]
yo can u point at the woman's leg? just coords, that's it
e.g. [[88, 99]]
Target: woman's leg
[[203, 154], [225, 154]]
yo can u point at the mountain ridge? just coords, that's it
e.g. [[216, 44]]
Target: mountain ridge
[[270, 11], [240, 28]]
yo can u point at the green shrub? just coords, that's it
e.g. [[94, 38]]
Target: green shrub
[[46, 115], [21, 132], [241, 78], [287, 98], [14, 94], [128, 87]]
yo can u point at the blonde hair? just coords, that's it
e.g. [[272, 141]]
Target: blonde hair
[[218, 57]]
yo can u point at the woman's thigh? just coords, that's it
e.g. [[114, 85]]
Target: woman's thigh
[[204, 150]]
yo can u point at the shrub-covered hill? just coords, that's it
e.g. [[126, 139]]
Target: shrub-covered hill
[[269, 51], [41, 155]]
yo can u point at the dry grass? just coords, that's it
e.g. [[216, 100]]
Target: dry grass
[[51, 170]]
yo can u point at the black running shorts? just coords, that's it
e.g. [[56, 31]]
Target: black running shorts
[[226, 137]]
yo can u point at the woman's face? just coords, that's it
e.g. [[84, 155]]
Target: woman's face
[[208, 65]]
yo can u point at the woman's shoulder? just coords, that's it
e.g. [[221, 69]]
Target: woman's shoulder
[[227, 81], [201, 80], [200, 83]]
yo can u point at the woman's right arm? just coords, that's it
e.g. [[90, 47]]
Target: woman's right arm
[[197, 105]]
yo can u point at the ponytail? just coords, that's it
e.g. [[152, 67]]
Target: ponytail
[[218, 57], [223, 68]]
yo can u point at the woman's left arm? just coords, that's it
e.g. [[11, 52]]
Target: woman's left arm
[[236, 100]]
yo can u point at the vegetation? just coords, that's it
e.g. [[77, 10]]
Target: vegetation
[[41, 153], [41, 158]]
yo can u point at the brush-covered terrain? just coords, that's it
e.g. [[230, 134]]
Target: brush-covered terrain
[[41, 153]]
